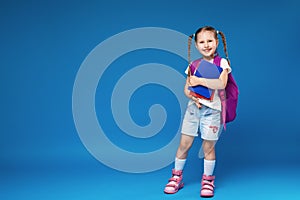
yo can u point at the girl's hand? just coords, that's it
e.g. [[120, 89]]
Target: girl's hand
[[194, 81], [196, 100]]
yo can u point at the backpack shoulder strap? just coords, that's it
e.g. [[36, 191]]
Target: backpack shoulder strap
[[217, 60], [193, 66], [222, 94]]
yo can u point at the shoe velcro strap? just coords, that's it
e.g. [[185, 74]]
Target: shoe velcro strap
[[177, 173], [172, 185], [175, 179], [206, 183]]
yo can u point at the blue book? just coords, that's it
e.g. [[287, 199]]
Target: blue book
[[205, 70]]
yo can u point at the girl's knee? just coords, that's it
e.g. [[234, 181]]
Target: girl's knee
[[208, 147], [208, 144], [187, 142], [185, 146]]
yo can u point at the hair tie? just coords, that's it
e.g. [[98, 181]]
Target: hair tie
[[218, 32]]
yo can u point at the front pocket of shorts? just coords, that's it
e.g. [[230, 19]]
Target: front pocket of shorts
[[191, 108], [211, 112]]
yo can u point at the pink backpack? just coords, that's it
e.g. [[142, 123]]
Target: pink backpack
[[229, 96]]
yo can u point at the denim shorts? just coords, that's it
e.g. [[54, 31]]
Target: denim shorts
[[205, 120]]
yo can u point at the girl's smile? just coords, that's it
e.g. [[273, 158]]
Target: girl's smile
[[206, 44]]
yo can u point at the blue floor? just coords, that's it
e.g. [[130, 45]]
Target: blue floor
[[99, 182], [76, 175]]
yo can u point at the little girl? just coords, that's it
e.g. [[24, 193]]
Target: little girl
[[202, 116]]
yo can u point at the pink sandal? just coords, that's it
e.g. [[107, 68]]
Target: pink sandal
[[208, 186], [175, 183]]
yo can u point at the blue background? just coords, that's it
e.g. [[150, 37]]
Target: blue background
[[42, 47]]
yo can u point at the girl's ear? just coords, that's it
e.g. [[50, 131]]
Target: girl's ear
[[196, 45]]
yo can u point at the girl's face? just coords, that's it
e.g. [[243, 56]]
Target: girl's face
[[206, 44]]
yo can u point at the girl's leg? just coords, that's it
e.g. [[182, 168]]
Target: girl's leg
[[175, 182], [209, 149], [209, 157], [186, 142], [184, 146], [207, 189], [210, 127]]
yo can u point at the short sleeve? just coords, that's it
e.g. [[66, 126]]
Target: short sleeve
[[224, 64], [186, 70]]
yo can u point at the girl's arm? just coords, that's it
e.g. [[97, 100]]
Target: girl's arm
[[187, 92], [219, 83]]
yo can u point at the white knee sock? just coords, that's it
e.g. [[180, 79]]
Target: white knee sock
[[209, 166], [179, 164]]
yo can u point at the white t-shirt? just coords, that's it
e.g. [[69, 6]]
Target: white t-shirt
[[216, 102]]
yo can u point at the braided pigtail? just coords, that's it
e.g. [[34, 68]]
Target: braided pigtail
[[189, 47], [224, 45], [189, 52]]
